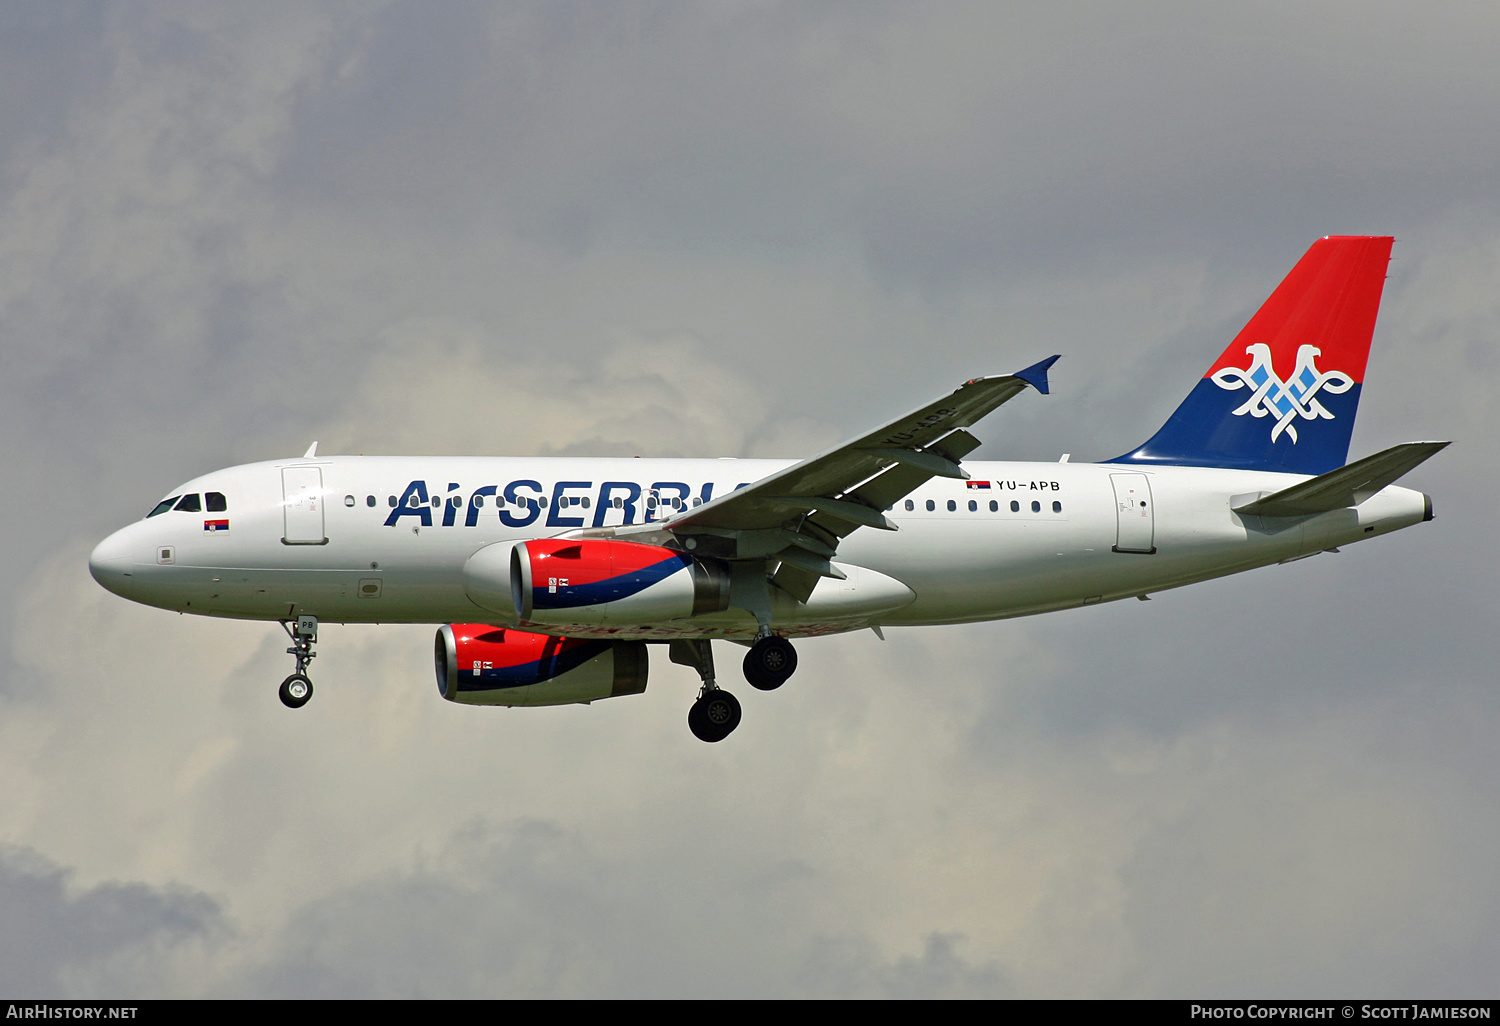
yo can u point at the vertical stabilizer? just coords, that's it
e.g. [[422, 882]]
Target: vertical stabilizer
[[1283, 396]]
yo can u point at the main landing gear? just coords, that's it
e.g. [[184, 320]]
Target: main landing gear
[[713, 717], [297, 689], [770, 661], [716, 713]]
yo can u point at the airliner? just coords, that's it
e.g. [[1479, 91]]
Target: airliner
[[549, 578]]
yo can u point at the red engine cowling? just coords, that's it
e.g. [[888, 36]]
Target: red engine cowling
[[478, 664], [595, 581]]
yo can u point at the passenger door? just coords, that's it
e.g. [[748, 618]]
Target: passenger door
[[302, 505]]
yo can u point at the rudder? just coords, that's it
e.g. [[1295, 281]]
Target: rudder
[[1316, 329]]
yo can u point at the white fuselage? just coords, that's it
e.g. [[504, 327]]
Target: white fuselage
[[1041, 536]]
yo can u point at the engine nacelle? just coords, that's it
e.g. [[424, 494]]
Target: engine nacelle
[[478, 664], [594, 581]]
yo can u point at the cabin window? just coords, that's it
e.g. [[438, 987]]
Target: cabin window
[[215, 502], [973, 506], [189, 504], [1036, 507], [370, 501], [436, 501], [162, 507], [910, 505], [1015, 507], [994, 506], [478, 501], [617, 502], [393, 501], [1057, 507], [587, 502], [348, 500], [931, 505], [952, 505]]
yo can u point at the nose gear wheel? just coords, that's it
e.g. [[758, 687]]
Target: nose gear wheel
[[295, 691]]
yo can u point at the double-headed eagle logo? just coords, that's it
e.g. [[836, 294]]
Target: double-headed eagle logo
[[1284, 400]]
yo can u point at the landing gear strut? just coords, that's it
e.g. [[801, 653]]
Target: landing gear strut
[[770, 661], [297, 689], [716, 713]]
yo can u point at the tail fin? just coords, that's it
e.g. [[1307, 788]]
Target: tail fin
[[1315, 329]]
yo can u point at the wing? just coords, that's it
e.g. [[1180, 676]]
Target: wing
[[797, 516]]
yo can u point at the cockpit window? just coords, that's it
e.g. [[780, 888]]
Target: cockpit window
[[189, 504], [161, 507], [215, 502]]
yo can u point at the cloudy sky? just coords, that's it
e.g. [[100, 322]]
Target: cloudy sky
[[739, 229]]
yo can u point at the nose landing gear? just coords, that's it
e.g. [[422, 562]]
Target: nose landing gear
[[297, 689]]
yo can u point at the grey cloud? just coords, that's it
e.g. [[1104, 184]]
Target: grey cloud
[[57, 939], [948, 143], [845, 967], [527, 909]]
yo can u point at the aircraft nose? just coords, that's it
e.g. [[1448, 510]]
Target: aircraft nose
[[112, 560]]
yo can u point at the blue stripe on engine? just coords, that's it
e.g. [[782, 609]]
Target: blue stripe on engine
[[611, 589], [523, 674]]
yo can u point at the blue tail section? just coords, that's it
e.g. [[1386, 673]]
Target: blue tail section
[[1283, 396]]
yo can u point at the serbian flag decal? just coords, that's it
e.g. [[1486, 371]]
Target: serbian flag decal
[[978, 485], [216, 526]]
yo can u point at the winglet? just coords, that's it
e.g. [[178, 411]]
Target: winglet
[[1036, 374], [312, 450]]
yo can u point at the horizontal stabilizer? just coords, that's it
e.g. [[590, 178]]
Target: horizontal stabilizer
[[1346, 486]]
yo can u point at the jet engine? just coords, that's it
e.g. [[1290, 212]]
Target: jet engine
[[478, 664], [594, 581]]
